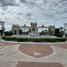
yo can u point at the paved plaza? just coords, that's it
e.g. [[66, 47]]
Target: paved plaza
[[13, 54]]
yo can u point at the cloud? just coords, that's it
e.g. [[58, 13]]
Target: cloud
[[24, 1], [44, 11], [5, 3], [28, 14], [62, 0]]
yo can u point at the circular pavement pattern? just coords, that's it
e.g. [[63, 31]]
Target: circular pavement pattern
[[36, 50]]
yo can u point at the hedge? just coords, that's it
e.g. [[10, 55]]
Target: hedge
[[34, 39], [9, 38]]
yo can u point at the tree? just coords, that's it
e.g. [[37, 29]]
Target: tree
[[59, 33], [56, 32], [20, 32], [1, 32], [8, 33], [43, 32]]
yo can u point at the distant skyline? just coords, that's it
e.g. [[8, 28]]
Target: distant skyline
[[47, 12], [9, 26]]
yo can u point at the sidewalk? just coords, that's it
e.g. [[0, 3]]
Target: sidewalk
[[10, 56]]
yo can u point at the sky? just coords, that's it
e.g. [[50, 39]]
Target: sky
[[47, 12]]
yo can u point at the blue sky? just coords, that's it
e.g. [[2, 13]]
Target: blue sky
[[47, 12]]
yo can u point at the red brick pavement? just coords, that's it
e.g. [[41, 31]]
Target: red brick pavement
[[64, 46], [6, 44], [36, 50], [38, 64]]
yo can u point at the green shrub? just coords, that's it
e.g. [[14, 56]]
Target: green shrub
[[35, 39], [9, 38], [23, 39], [8, 33]]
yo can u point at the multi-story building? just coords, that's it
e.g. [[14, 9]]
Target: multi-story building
[[33, 29]]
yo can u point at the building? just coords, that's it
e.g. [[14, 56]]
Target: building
[[51, 30], [33, 29], [25, 28], [65, 29], [15, 29]]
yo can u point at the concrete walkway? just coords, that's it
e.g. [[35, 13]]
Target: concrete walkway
[[10, 54]]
